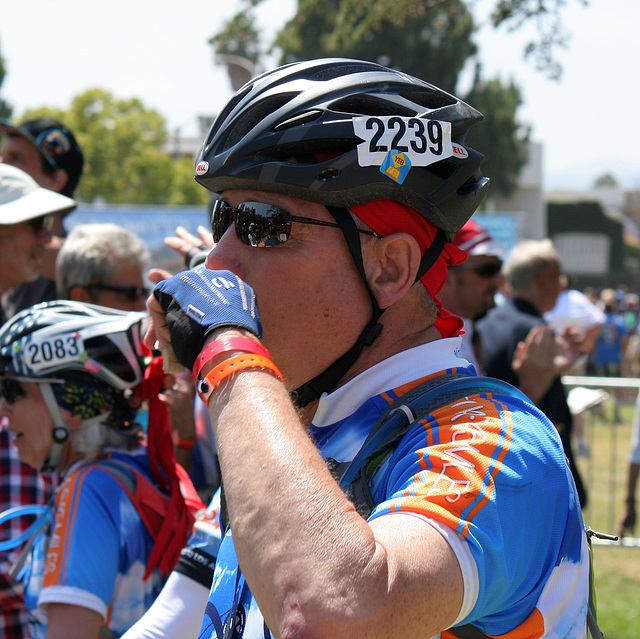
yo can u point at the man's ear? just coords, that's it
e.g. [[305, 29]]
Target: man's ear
[[58, 180], [392, 264], [80, 294]]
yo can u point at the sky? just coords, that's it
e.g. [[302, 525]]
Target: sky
[[158, 51]]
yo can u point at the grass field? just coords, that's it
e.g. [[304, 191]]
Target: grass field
[[617, 568]]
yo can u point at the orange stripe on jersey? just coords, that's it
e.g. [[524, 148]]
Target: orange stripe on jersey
[[464, 447], [66, 511], [498, 462], [405, 388], [532, 628]]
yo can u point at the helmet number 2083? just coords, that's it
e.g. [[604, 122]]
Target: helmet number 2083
[[59, 350]]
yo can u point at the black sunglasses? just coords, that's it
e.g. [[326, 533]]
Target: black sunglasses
[[259, 224], [483, 269], [132, 293], [12, 391]]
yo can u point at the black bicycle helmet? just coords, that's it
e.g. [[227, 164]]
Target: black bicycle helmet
[[325, 131]]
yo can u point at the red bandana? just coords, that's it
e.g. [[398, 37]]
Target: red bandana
[[387, 217]]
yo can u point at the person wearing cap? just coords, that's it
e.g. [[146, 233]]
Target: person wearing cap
[[23, 208], [48, 151], [471, 287], [342, 184]]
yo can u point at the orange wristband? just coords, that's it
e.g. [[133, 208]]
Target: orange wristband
[[233, 365], [224, 345]]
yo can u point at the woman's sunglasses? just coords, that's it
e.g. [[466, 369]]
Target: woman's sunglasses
[[259, 224], [12, 391]]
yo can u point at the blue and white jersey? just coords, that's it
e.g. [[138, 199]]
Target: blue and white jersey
[[94, 554], [487, 471]]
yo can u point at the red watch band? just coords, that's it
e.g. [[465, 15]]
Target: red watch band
[[225, 345]]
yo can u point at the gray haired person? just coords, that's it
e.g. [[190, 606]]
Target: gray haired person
[[103, 264]]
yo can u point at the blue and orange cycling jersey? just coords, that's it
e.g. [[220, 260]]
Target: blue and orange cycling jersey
[[95, 552], [487, 471]]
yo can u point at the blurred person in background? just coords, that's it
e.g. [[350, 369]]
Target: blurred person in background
[[516, 327], [627, 523], [612, 341], [23, 208], [470, 288], [48, 151], [103, 264]]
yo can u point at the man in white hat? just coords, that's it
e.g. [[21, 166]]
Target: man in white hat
[[23, 208]]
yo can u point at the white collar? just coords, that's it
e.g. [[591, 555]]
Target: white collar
[[399, 369]]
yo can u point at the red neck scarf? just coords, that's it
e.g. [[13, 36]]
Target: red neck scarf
[[387, 217]]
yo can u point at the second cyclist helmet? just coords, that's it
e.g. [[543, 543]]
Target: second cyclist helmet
[[63, 337], [344, 132]]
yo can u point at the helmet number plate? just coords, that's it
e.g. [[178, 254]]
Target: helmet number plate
[[47, 354], [419, 141]]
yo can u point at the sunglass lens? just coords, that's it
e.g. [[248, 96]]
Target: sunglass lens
[[262, 225], [220, 219], [489, 270], [11, 390]]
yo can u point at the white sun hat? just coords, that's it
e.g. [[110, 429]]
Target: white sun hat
[[22, 199]]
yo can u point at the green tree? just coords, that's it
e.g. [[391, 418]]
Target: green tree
[[606, 181], [500, 136], [5, 108], [430, 41], [550, 30], [123, 142]]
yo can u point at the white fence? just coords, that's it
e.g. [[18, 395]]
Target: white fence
[[620, 390]]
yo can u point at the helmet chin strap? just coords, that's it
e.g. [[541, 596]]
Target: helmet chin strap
[[60, 429], [327, 380]]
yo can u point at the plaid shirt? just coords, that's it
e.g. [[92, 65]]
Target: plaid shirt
[[20, 486]]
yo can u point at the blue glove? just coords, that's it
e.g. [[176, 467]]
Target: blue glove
[[199, 301]]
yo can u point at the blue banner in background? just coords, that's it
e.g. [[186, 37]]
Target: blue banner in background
[[150, 223], [502, 227]]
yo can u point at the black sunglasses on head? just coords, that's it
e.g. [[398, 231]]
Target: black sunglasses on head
[[259, 224], [132, 293]]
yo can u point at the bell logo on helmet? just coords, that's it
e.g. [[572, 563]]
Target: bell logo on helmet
[[202, 168], [459, 151]]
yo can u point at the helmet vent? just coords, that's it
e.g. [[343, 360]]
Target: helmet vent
[[332, 71], [225, 113], [254, 116], [369, 105], [429, 99], [303, 118]]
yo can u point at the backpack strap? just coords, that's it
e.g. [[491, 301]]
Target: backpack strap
[[150, 503]]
